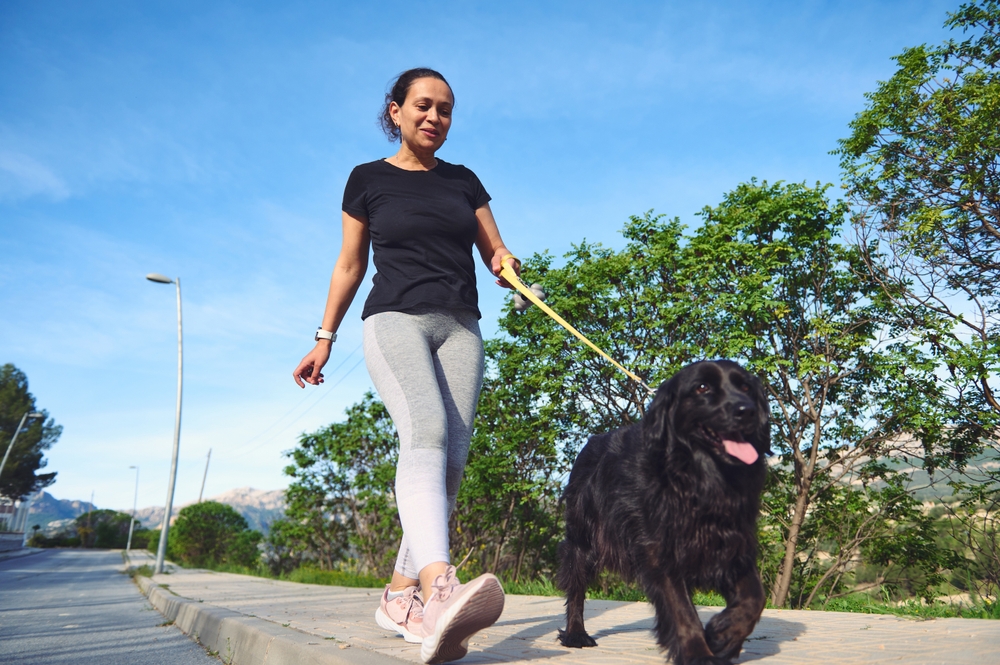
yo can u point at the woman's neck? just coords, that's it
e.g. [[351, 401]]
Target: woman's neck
[[410, 160]]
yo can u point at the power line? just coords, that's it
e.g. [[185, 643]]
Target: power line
[[317, 395], [294, 420]]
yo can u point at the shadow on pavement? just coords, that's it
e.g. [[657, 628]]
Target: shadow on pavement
[[765, 641]]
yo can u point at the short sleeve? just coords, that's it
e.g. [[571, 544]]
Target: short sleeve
[[356, 195], [480, 196]]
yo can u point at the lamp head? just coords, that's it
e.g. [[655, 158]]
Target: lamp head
[[36, 414], [160, 279]]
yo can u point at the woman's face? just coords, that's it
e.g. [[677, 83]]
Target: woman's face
[[425, 116]]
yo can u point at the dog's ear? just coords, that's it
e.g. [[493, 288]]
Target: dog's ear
[[659, 415], [763, 416]]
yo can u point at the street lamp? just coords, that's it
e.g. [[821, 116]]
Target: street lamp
[[135, 501], [10, 446], [161, 550]]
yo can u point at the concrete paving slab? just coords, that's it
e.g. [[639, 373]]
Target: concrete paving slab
[[343, 619]]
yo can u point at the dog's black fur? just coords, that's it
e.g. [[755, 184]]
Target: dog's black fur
[[662, 503]]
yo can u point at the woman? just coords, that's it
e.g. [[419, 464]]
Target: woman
[[423, 348]]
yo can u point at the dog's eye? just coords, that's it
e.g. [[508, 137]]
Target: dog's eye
[[745, 387], [702, 388]]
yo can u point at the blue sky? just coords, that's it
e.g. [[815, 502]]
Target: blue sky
[[212, 141]]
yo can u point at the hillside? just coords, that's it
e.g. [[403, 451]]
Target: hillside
[[258, 507]]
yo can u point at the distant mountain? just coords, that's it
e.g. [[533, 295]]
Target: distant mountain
[[258, 507], [47, 508]]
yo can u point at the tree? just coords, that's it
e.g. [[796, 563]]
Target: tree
[[770, 285], [922, 166], [108, 529], [210, 533], [341, 496], [20, 477], [507, 519]]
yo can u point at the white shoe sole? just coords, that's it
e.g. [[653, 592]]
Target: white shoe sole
[[383, 620], [479, 608]]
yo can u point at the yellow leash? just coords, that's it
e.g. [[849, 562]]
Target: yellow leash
[[507, 272]]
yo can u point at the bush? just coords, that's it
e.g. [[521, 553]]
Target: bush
[[211, 533]]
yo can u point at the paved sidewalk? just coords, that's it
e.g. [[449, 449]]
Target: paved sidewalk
[[341, 620]]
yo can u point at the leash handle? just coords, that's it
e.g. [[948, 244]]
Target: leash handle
[[508, 274]]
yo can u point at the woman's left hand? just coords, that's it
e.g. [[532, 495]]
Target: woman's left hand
[[502, 256]]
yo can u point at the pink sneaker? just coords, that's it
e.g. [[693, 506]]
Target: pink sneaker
[[457, 611], [403, 614]]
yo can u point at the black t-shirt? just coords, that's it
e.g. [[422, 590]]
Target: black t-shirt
[[423, 226]]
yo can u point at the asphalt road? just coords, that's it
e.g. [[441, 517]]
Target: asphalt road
[[75, 606]]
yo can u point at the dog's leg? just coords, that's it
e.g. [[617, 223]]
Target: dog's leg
[[576, 571], [728, 629], [678, 628]]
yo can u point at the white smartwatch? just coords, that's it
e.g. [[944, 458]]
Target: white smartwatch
[[325, 334]]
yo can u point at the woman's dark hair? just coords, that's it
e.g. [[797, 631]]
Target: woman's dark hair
[[397, 93]]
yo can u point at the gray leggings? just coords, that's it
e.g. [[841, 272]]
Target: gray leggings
[[428, 369]]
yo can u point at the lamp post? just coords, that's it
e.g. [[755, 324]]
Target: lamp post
[[135, 501], [161, 550], [20, 425]]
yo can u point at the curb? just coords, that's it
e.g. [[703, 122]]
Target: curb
[[244, 640]]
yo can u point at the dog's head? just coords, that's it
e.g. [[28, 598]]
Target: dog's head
[[716, 406]]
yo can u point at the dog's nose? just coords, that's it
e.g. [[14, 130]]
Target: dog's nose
[[744, 411]]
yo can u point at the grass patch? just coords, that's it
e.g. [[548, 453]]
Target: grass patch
[[863, 604], [620, 591], [144, 570], [309, 575]]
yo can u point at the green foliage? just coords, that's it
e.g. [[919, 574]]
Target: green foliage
[[340, 501], [20, 475], [105, 529], [211, 532], [507, 520], [922, 167], [770, 285]]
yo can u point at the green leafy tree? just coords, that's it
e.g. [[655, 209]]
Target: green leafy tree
[[210, 533], [771, 285], [20, 475], [507, 519], [922, 166], [630, 303], [108, 529], [341, 495]]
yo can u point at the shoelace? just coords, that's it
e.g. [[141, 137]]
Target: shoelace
[[414, 605], [443, 587]]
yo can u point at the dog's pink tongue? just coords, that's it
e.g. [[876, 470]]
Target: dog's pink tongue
[[741, 450]]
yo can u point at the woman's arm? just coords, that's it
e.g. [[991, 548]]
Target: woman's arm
[[491, 246], [347, 276]]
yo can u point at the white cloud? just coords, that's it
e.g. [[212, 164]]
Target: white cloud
[[22, 177]]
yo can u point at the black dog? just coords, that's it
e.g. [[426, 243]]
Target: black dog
[[672, 502]]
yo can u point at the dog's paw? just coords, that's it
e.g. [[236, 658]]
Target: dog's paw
[[576, 640], [724, 638]]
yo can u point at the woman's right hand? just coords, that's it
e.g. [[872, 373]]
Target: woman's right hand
[[310, 369]]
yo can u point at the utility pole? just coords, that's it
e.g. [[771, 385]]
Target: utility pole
[[135, 501], [207, 460]]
